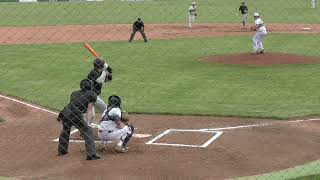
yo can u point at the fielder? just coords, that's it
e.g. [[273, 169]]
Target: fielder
[[313, 4], [138, 25], [260, 34], [114, 126], [192, 14], [100, 74], [244, 13]]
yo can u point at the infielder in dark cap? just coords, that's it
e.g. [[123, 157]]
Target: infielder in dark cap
[[138, 25]]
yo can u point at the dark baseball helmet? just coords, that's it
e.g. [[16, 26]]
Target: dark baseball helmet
[[98, 63], [86, 85], [114, 101]]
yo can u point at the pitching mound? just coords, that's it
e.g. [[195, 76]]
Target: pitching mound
[[266, 59]]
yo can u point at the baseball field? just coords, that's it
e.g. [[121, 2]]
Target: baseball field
[[213, 110]]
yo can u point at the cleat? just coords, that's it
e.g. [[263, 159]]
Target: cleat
[[93, 157], [121, 149]]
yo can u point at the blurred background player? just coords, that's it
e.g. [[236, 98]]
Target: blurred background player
[[100, 74], [259, 35], [81, 101], [138, 25], [192, 14], [313, 4], [112, 128], [244, 12]]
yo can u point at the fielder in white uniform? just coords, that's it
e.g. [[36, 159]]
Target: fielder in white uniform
[[313, 4], [112, 129], [259, 35], [192, 14]]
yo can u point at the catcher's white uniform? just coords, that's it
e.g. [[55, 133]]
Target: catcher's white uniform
[[192, 14], [108, 130], [258, 37]]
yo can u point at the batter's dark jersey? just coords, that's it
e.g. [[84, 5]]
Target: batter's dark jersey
[[93, 76], [137, 25], [243, 9], [78, 104]]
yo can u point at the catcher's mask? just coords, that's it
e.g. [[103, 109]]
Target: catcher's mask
[[98, 63], [86, 85], [114, 101]]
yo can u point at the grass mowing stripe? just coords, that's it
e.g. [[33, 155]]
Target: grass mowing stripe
[[298, 172], [165, 77], [108, 11]]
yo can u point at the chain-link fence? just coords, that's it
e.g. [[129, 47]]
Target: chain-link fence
[[159, 89]]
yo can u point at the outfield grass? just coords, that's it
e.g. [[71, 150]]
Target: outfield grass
[[29, 14], [165, 76], [307, 171]]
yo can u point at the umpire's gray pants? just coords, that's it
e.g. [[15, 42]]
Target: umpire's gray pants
[[84, 129]]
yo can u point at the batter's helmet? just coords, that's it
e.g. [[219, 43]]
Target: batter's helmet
[[86, 85], [114, 101], [98, 63]]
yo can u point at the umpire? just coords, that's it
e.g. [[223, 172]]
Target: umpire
[[81, 101], [138, 25]]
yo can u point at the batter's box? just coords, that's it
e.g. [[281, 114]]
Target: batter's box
[[210, 136]]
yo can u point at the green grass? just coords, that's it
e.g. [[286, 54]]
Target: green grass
[[1, 119], [29, 14], [165, 77], [307, 171]]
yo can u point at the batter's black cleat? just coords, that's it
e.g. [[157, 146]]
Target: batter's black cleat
[[93, 157]]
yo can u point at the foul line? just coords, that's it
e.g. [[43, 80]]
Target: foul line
[[206, 129], [55, 113]]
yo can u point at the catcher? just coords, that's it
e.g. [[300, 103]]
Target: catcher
[[114, 126]]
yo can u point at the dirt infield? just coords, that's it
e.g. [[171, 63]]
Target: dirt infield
[[267, 59], [28, 150], [116, 32]]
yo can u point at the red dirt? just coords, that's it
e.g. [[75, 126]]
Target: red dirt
[[28, 151], [115, 32], [266, 59]]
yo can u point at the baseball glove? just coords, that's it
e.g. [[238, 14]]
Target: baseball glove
[[125, 117]]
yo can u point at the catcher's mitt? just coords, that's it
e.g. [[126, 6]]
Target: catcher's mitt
[[125, 117]]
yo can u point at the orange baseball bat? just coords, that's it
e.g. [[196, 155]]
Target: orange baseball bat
[[89, 48]]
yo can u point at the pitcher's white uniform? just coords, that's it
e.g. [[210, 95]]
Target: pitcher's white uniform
[[313, 4], [108, 130], [192, 14], [258, 37]]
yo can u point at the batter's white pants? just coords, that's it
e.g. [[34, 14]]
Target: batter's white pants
[[101, 107], [313, 4], [191, 20], [257, 41], [114, 135]]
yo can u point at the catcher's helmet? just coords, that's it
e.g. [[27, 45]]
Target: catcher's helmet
[[98, 63], [114, 101], [86, 85]]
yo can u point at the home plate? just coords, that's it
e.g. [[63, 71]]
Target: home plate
[[141, 135]]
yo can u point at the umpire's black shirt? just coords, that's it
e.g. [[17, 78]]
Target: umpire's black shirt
[[78, 104], [138, 25], [93, 76], [243, 9]]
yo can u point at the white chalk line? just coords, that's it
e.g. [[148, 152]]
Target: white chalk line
[[195, 130], [216, 135], [55, 113]]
